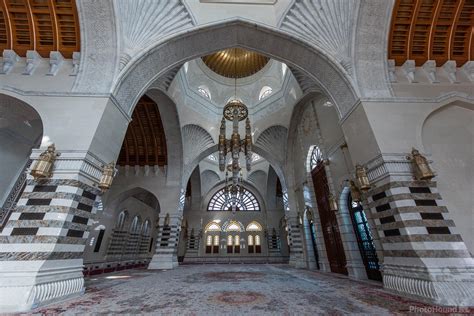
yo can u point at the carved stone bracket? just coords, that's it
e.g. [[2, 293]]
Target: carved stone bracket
[[32, 61], [10, 58], [55, 62]]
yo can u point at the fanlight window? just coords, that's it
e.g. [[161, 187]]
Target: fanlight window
[[234, 227], [221, 201], [213, 227], [316, 157], [265, 92], [254, 227], [255, 157]]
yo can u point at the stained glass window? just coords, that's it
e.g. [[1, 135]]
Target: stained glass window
[[316, 157], [221, 201]]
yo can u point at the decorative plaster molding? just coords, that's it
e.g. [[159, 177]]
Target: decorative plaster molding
[[430, 69], [326, 23], [55, 61], [163, 83], [195, 140], [76, 59], [306, 84], [10, 58], [385, 165], [273, 140], [409, 69], [32, 61], [450, 68], [468, 69], [143, 22], [391, 70]]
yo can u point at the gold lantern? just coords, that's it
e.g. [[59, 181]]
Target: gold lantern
[[361, 175], [355, 192], [43, 167], [107, 177], [332, 203], [422, 167]]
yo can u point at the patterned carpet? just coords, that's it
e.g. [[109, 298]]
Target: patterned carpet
[[231, 290]]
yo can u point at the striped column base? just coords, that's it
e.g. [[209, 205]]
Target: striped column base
[[25, 285], [436, 286]]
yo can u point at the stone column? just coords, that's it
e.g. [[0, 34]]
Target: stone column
[[42, 244], [421, 255], [166, 255]]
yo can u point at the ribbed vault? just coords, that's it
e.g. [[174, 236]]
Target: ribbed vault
[[41, 25], [439, 30], [145, 142]]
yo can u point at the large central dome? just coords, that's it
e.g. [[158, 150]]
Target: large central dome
[[235, 62]]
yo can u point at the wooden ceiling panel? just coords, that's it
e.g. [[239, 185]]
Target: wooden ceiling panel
[[439, 30], [41, 25], [145, 141]]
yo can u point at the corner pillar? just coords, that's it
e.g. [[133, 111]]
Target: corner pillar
[[42, 244]]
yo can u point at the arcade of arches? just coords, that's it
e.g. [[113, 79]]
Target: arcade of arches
[[329, 143]]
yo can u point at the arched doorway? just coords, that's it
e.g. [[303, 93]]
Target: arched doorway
[[330, 227]]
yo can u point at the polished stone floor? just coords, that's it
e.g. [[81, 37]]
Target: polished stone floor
[[231, 290]]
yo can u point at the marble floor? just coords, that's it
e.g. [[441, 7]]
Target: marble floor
[[231, 290]]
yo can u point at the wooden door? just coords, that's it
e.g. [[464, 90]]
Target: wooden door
[[332, 237]]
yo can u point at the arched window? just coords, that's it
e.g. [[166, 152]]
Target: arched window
[[209, 240], [233, 226], [121, 220], [365, 240], [146, 228], [250, 242], [237, 240], [135, 226], [230, 240], [265, 92], [254, 227], [316, 157], [216, 240], [212, 227], [204, 92], [246, 201], [257, 240]]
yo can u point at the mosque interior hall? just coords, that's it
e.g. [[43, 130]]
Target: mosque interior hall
[[236, 157]]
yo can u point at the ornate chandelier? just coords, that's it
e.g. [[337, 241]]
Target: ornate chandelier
[[234, 111]]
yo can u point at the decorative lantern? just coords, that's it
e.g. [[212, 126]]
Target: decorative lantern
[[43, 167], [107, 177], [332, 203], [361, 175], [355, 192], [422, 166]]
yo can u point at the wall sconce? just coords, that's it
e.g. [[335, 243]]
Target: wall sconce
[[332, 203], [43, 167], [422, 166], [362, 178], [108, 173]]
